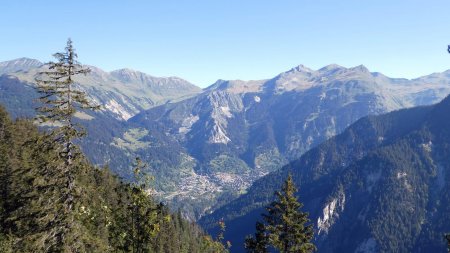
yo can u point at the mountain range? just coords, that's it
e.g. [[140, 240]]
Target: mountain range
[[380, 186], [206, 147], [123, 92]]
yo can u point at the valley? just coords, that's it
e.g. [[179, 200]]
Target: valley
[[206, 147]]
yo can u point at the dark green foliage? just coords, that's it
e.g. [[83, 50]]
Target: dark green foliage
[[53, 200], [447, 238], [177, 235], [60, 101], [101, 215], [260, 243], [285, 227], [386, 178], [139, 224], [5, 244], [277, 125]]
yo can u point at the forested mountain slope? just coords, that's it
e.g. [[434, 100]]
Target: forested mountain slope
[[380, 186], [209, 147], [108, 215], [237, 131]]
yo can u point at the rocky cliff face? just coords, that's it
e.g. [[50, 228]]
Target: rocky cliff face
[[238, 131], [207, 147], [380, 186]]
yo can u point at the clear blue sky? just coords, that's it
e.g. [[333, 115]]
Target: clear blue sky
[[206, 40]]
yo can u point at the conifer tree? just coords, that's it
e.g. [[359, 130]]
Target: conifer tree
[[60, 100], [260, 243], [144, 213], [286, 224], [5, 171], [5, 179], [31, 211], [286, 228]]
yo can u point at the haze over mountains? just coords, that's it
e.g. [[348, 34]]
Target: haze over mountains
[[206, 147]]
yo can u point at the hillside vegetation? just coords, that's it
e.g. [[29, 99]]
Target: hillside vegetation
[[380, 186], [108, 216]]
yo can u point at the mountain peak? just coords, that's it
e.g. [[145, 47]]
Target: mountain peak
[[301, 68], [128, 75], [331, 70], [332, 66], [236, 86], [22, 61], [360, 68], [125, 71], [336, 69], [20, 64]]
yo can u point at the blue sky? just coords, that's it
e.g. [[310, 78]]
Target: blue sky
[[206, 40]]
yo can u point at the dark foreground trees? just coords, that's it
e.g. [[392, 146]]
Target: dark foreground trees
[[447, 237], [285, 227], [60, 101], [53, 200], [102, 213]]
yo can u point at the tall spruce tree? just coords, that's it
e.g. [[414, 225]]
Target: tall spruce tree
[[60, 100], [286, 228]]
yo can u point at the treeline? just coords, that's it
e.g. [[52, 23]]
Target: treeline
[[54, 200], [108, 215]]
